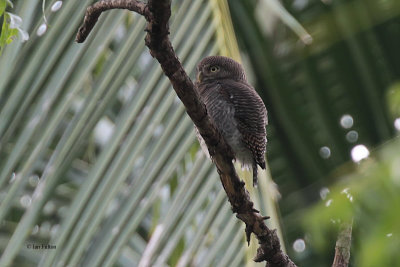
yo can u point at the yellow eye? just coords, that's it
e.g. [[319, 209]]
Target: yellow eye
[[214, 69]]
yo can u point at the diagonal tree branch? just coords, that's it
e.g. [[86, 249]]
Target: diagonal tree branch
[[157, 13]]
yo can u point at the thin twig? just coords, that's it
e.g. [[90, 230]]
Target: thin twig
[[157, 13], [343, 245], [93, 13]]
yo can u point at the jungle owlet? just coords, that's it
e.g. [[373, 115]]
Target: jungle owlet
[[236, 109]]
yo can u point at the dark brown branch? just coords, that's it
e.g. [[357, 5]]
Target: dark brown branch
[[343, 244], [157, 13]]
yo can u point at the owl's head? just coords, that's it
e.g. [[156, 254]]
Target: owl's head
[[218, 67]]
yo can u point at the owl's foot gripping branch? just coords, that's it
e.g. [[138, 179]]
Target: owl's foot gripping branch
[[157, 14]]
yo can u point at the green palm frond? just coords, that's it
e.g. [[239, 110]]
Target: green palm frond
[[97, 155]]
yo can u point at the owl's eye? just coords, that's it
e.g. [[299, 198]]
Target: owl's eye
[[214, 69]]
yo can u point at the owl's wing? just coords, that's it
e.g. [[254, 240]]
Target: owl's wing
[[251, 116]]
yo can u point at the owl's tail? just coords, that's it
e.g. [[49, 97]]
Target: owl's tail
[[255, 171], [255, 174]]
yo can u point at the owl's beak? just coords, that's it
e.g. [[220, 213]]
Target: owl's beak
[[199, 76]]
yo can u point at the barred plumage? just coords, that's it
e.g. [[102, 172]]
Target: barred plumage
[[235, 108]]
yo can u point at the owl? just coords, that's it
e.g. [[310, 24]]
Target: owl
[[235, 108]]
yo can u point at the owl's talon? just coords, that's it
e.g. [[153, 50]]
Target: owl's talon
[[255, 210]]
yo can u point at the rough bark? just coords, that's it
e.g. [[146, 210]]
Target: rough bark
[[157, 14]]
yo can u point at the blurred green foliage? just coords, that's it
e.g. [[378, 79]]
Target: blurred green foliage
[[393, 100], [370, 197], [351, 68]]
